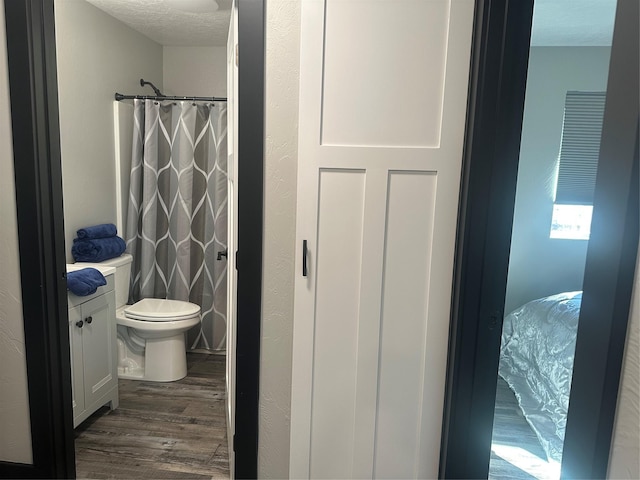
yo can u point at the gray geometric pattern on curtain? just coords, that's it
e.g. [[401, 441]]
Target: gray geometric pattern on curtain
[[177, 214]]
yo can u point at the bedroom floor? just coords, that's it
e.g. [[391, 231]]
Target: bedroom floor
[[516, 453]]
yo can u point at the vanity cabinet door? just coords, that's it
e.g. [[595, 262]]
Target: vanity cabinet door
[[98, 335], [75, 339]]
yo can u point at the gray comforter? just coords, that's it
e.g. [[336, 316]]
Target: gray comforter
[[536, 360]]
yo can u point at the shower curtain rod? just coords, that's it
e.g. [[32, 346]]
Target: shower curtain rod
[[119, 96]]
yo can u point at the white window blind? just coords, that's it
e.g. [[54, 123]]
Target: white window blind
[[581, 131]]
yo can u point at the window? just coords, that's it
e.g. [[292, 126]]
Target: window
[[571, 221], [577, 165]]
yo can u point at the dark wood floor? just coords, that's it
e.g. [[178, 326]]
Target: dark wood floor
[[160, 430], [178, 430], [516, 453]]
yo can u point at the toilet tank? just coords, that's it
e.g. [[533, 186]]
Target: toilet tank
[[122, 264]]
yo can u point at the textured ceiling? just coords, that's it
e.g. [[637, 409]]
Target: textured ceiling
[[573, 23], [166, 25], [555, 22]]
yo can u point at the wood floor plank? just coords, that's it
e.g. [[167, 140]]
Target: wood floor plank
[[97, 464], [125, 427], [160, 430], [191, 415]]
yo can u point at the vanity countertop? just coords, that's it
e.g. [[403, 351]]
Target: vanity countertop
[[109, 274], [72, 267]]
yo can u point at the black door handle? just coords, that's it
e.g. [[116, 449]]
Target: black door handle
[[304, 258], [88, 319], [222, 254], [79, 323]]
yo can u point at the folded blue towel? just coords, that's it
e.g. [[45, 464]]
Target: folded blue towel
[[97, 249], [85, 282], [104, 230]]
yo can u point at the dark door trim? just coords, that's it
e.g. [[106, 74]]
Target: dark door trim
[[38, 184], [610, 264], [498, 80], [36, 133], [251, 51]]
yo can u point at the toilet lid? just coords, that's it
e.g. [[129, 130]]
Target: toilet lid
[[160, 310]]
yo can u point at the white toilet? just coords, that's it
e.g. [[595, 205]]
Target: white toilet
[[151, 343]]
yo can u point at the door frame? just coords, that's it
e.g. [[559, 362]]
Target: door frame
[[251, 58], [500, 52], [499, 68], [38, 186], [30, 30]]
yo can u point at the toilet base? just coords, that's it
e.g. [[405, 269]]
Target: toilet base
[[165, 359], [129, 373], [161, 360]]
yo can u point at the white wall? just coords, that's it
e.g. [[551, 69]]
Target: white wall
[[97, 56], [15, 434], [538, 265], [195, 71], [625, 450], [281, 159]]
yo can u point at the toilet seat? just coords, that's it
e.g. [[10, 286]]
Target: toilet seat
[[157, 325], [161, 310]]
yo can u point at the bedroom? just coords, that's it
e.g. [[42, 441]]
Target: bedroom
[[564, 105]]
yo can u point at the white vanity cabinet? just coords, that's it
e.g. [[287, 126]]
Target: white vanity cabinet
[[92, 335]]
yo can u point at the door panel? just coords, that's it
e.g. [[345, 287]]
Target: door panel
[[75, 338], [403, 372], [361, 86], [380, 149], [99, 358], [340, 221]]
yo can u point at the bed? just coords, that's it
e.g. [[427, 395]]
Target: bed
[[536, 361]]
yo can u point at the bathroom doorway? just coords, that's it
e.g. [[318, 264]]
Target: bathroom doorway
[[36, 18], [174, 220]]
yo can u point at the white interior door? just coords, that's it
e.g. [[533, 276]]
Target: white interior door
[[383, 94], [232, 226]]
